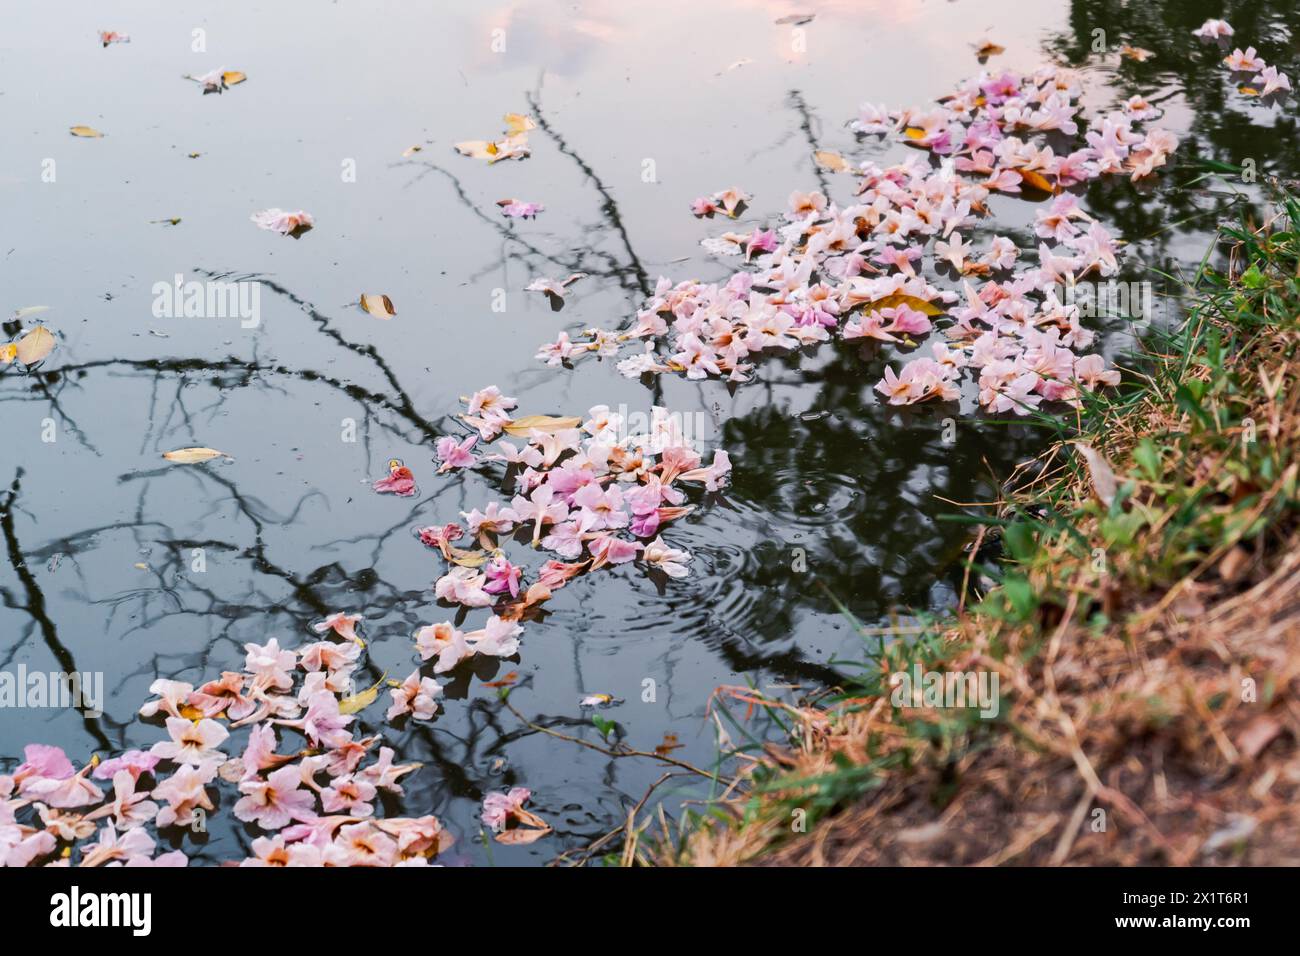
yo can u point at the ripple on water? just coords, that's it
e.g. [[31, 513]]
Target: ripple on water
[[812, 498]]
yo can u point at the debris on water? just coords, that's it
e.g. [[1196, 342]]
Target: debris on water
[[513, 146], [599, 700], [378, 305], [285, 223], [554, 289]]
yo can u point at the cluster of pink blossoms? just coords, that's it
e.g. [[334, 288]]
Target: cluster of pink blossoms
[[854, 271], [584, 491], [1265, 80], [315, 803]]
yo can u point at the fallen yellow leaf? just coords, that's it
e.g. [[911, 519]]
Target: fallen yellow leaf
[[519, 836], [519, 123], [1136, 53], [911, 301], [1036, 180], [190, 456], [523, 427], [361, 699], [34, 346], [829, 159], [476, 148], [378, 305]]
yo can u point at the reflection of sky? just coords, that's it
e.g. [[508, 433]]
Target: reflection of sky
[[618, 84]]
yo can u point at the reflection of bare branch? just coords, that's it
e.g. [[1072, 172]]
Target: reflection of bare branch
[[806, 121], [247, 372], [573, 263], [35, 605], [609, 207]]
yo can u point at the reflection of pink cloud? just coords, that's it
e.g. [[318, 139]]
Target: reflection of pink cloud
[[874, 11], [897, 35], [549, 33]]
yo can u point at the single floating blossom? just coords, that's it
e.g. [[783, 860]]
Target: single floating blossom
[[454, 454], [1270, 81], [518, 209], [504, 814], [1213, 29], [671, 561], [726, 201], [285, 223], [219, 80], [1244, 62], [185, 791], [554, 288], [400, 480], [192, 742], [276, 801], [415, 696], [342, 624], [444, 642], [134, 762], [599, 700]]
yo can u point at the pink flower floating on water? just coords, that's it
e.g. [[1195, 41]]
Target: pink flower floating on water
[[288, 795], [504, 814], [1213, 29], [1266, 81], [456, 454], [400, 480], [725, 201], [342, 624], [596, 494], [518, 209], [285, 223], [854, 272]]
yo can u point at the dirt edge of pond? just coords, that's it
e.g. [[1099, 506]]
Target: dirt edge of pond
[[1145, 632]]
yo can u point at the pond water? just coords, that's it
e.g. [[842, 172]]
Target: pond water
[[100, 532]]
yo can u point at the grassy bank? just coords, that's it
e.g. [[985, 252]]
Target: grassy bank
[[1142, 618]]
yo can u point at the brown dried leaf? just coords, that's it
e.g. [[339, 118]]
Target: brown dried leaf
[[378, 305], [829, 159], [1233, 564], [1037, 180], [524, 427], [192, 456], [521, 836], [911, 301], [1104, 482], [1258, 735], [34, 346]]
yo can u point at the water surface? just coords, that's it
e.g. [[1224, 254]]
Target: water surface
[[290, 528]]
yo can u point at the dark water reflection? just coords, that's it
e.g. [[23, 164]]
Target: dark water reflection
[[290, 528]]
